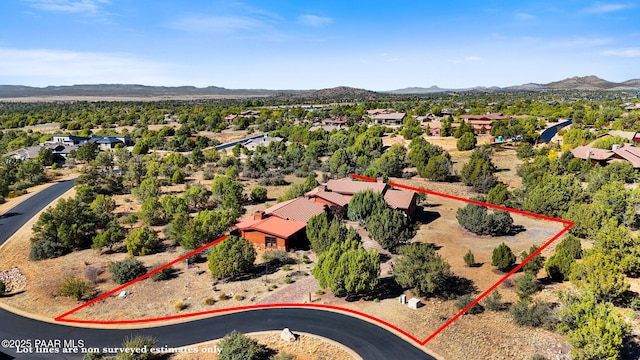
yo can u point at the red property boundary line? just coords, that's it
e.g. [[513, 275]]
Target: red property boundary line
[[568, 225]]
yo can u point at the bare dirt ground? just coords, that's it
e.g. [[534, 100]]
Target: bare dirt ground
[[306, 347]]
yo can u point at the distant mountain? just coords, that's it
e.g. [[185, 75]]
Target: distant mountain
[[526, 87], [575, 83], [582, 83], [339, 93], [124, 90], [417, 90]]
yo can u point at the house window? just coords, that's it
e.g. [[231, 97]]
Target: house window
[[270, 241]]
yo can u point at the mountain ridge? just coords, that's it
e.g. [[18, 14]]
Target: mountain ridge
[[586, 83]]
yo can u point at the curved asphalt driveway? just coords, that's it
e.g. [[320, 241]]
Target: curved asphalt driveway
[[366, 339]]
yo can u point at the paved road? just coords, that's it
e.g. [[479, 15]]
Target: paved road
[[13, 219], [366, 339]]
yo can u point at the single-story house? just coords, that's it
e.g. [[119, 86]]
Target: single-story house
[[395, 118], [264, 141], [626, 152], [339, 121], [69, 139], [632, 136], [271, 232], [280, 226], [338, 193], [487, 116], [59, 151]]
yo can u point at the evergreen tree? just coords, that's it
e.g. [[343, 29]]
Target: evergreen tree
[[503, 258]]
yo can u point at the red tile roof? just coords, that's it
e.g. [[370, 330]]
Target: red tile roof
[[399, 199], [272, 225], [299, 209], [347, 186]]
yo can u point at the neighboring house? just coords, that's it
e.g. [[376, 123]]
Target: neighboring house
[[59, 151], [280, 226], [253, 144], [487, 116], [107, 142], [69, 139], [626, 152], [395, 118], [27, 153], [104, 142], [250, 113], [629, 135], [327, 128], [338, 121], [373, 112]]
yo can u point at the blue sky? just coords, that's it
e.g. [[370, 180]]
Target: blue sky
[[286, 44]]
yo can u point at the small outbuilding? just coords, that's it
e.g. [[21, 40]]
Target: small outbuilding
[[414, 303]]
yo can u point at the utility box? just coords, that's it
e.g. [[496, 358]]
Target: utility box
[[403, 299], [414, 303]]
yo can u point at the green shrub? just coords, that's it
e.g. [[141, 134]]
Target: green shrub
[[278, 257], [237, 346], [75, 288], [571, 245], [138, 342], [46, 249], [288, 280], [127, 270], [503, 258], [558, 266], [476, 219], [179, 306], [527, 285], [493, 301], [258, 194], [164, 274], [466, 142], [525, 313], [283, 356], [464, 301], [93, 356], [469, 259]]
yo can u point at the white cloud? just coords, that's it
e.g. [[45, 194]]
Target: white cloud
[[42, 67], [87, 7], [580, 43], [626, 53], [467, 59], [313, 20], [525, 16], [603, 8]]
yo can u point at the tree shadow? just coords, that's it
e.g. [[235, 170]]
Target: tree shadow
[[10, 214], [631, 347], [12, 294], [387, 288], [426, 217], [384, 258], [459, 286], [516, 229]]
